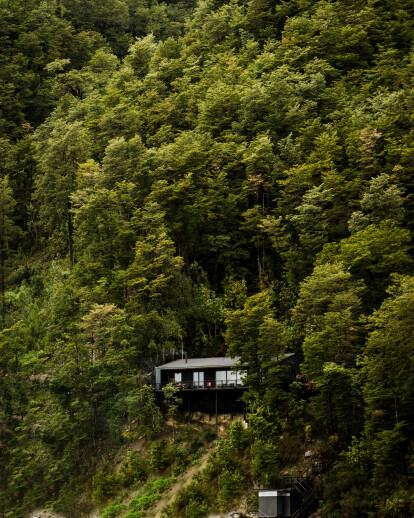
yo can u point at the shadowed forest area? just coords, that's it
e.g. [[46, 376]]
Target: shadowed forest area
[[225, 177]]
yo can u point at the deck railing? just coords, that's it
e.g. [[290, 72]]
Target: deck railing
[[202, 385]]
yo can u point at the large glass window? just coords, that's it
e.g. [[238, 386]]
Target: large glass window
[[228, 378], [221, 378], [177, 378], [198, 379], [231, 378]]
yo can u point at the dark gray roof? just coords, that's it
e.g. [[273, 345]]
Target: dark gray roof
[[204, 363]]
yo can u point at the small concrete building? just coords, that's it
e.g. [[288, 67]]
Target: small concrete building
[[278, 502]]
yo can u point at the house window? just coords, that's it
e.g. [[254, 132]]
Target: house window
[[198, 379], [221, 378], [232, 378], [177, 378], [228, 378]]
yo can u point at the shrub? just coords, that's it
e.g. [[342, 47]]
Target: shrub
[[209, 434], [196, 509], [160, 455], [135, 468], [180, 460], [230, 484], [237, 436], [135, 514], [265, 463], [159, 485], [196, 444], [141, 503], [104, 483], [400, 503], [112, 510], [225, 456], [191, 499], [150, 495]]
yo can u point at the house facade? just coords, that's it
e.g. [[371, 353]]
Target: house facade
[[200, 374], [212, 385], [213, 373]]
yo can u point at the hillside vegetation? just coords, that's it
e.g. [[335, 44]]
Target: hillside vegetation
[[227, 177]]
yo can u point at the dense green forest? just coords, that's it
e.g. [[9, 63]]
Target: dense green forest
[[224, 176]]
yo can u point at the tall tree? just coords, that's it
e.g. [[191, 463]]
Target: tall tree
[[7, 230], [61, 147], [327, 312]]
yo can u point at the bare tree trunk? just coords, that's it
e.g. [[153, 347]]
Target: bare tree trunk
[[70, 234], [259, 267], [396, 409]]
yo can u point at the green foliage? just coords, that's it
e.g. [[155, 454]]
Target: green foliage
[[230, 484], [255, 335], [328, 308], [381, 201], [134, 469], [223, 177], [399, 503], [209, 433], [191, 500], [113, 510], [160, 455], [140, 54], [142, 503], [141, 405], [7, 232], [135, 514], [265, 463], [387, 355], [196, 509], [222, 481], [374, 250], [150, 494], [104, 484], [159, 485], [172, 402], [327, 311], [237, 436]]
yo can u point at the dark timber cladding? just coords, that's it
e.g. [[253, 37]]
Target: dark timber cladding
[[214, 385], [210, 385], [200, 374], [213, 373]]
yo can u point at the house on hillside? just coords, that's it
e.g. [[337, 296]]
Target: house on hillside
[[200, 374], [212, 373], [212, 385]]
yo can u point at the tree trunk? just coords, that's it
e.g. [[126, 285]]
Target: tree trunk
[[70, 234], [259, 269]]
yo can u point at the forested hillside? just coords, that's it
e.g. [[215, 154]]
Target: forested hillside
[[223, 176]]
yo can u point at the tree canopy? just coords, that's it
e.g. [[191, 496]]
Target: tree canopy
[[224, 177]]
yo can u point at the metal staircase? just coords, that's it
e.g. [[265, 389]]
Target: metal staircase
[[306, 485]]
